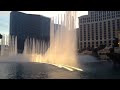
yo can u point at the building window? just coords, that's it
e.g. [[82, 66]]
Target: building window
[[80, 32], [89, 19], [88, 38], [88, 27], [81, 20], [108, 15], [113, 16], [84, 27], [99, 18], [113, 34], [96, 42], [85, 20], [109, 31], [105, 26], [96, 37], [117, 13], [96, 25], [113, 24], [109, 41], [84, 39], [84, 32], [84, 46], [104, 30], [109, 36], [100, 26], [92, 25], [80, 27], [118, 24], [80, 36]]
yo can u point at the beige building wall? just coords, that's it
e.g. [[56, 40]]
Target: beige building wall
[[108, 22]]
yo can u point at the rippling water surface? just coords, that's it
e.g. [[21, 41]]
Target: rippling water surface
[[92, 69], [12, 70]]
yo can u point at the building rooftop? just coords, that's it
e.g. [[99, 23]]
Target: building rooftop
[[83, 16], [29, 14], [77, 28]]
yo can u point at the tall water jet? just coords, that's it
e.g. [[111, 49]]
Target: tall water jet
[[61, 50], [3, 45], [12, 45]]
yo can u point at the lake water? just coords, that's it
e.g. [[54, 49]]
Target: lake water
[[92, 69]]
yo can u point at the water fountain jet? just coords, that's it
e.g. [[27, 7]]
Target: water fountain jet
[[61, 51]]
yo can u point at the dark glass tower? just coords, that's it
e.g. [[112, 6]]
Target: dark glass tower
[[28, 25]]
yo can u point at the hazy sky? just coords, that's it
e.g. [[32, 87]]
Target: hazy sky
[[4, 17]]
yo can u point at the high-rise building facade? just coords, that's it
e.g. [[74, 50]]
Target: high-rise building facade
[[28, 25], [97, 28]]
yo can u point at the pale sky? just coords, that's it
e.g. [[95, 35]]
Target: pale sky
[[4, 17]]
